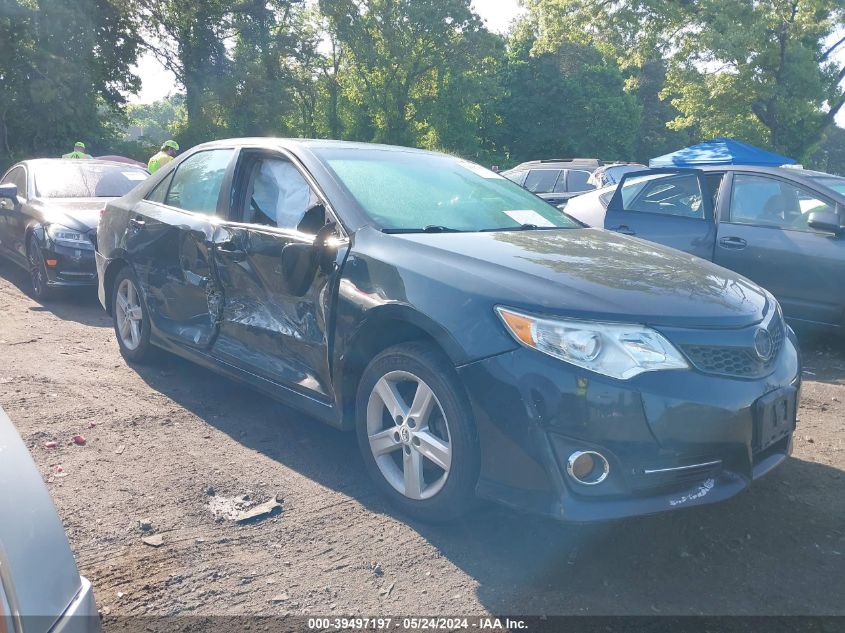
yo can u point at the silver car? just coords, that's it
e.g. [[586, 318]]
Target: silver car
[[40, 587]]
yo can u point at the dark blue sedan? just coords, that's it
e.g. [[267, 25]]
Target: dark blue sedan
[[783, 228], [477, 341]]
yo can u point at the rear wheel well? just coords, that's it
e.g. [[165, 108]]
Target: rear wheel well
[[114, 267], [367, 345]]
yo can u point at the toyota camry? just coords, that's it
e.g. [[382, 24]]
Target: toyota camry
[[479, 342]]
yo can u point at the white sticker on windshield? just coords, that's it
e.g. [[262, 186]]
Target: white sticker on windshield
[[478, 170], [527, 216], [134, 175]]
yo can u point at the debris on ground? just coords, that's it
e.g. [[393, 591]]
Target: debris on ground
[[283, 597], [156, 540], [241, 509], [79, 439], [386, 592], [266, 509], [145, 524], [120, 449], [60, 471], [50, 444], [378, 572]]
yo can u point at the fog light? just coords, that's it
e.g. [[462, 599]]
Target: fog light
[[587, 467]]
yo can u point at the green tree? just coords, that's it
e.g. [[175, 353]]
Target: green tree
[[569, 102], [761, 70], [64, 68], [395, 48]]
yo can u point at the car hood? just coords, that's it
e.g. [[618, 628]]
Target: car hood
[[37, 568], [597, 275], [80, 214]]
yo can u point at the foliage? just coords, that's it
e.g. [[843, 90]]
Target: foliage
[[64, 68]]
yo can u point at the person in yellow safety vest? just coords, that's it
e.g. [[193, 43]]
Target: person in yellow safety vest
[[78, 151], [168, 151]]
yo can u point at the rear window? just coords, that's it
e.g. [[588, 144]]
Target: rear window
[[541, 180], [577, 180], [86, 180]]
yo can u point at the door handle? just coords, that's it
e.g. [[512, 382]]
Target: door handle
[[231, 249], [622, 228], [736, 243], [137, 223]]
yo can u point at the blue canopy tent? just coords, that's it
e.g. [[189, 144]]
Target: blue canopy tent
[[721, 151]]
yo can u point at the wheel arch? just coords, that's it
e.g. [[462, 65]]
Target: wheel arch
[[383, 328], [114, 266]]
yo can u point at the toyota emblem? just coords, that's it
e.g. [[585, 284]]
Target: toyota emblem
[[763, 345]]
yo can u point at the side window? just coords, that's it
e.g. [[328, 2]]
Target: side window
[[160, 191], [197, 181], [669, 195], [541, 180], [17, 177], [768, 202], [276, 194], [576, 181]]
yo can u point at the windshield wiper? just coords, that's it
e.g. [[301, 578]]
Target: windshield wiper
[[522, 227], [431, 228]]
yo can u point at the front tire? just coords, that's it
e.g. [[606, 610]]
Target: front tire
[[131, 319], [416, 432], [38, 270]]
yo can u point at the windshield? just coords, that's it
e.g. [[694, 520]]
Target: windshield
[[411, 191], [832, 182], [86, 180]]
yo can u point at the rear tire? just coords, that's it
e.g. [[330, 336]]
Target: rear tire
[[131, 319], [38, 271], [416, 432]]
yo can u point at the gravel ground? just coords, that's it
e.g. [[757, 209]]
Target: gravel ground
[[171, 443]]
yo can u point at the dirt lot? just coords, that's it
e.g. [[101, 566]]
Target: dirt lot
[[165, 436]]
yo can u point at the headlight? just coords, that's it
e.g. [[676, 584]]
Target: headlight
[[64, 236], [618, 350]]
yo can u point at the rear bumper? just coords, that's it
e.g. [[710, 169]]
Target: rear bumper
[[673, 439]]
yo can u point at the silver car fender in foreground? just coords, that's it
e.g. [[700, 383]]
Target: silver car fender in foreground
[[41, 590]]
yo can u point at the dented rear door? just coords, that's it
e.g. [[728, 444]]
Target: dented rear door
[[170, 245]]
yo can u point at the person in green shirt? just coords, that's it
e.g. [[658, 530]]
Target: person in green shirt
[[165, 155], [78, 151]]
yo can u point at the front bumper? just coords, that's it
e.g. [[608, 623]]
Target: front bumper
[[74, 267], [673, 438]]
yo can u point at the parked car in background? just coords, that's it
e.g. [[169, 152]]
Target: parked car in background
[[49, 210], [555, 180], [783, 228], [477, 340], [611, 174], [40, 587]]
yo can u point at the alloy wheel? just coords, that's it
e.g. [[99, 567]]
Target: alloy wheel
[[409, 435], [128, 314], [37, 270]]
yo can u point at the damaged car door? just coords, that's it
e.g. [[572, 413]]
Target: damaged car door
[[168, 237], [278, 263]]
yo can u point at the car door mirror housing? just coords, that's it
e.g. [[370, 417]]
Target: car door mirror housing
[[825, 221], [9, 191]]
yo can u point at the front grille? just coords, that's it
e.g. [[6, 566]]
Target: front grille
[[738, 362]]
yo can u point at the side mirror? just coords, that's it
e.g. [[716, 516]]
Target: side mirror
[[9, 191], [825, 221]]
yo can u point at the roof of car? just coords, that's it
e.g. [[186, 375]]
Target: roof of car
[[36, 162], [307, 142], [559, 163]]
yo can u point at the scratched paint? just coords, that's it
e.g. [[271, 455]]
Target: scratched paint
[[700, 493]]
